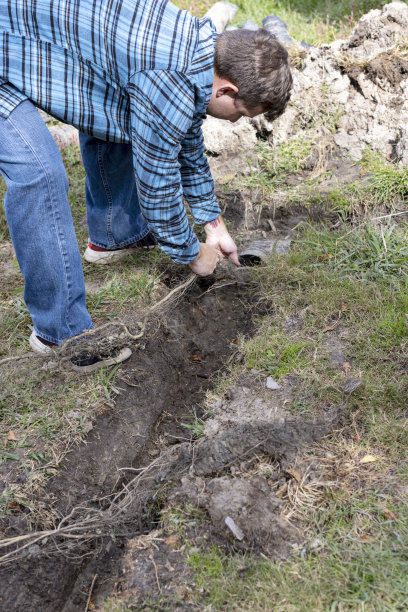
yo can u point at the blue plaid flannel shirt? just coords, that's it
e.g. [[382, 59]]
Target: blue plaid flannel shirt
[[134, 71]]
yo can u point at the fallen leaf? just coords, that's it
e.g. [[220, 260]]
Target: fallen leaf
[[295, 474], [346, 367], [328, 328], [172, 541], [368, 459], [11, 436], [281, 491], [325, 257], [195, 358], [389, 515]]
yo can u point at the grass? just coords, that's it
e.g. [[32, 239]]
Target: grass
[[44, 413], [387, 180], [352, 279], [347, 572], [355, 532], [311, 21]]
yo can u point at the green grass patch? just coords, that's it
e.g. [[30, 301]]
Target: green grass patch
[[277, 354], [370, 252], [359, 564], [387, 180], [312, 21]]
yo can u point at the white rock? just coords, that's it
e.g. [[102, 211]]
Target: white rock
[[222, 136], [271, 383]]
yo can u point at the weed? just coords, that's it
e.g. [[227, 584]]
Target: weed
[[182, 518], [387, 180], [196, 426]]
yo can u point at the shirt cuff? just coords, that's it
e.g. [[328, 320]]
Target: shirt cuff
[[181, 255], [206, 214]]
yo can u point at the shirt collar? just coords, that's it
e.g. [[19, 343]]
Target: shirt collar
[[203, 64]]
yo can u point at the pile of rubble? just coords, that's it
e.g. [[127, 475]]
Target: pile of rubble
[[354, 90]]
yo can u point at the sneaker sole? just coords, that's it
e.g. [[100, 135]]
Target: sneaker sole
[[123, 354], [37, 346], [107, 257]]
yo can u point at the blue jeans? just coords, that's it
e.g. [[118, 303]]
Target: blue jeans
[[40, 221], [112, 205]]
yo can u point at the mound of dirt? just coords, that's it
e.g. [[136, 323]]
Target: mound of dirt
[[358, 80], [244, 510]]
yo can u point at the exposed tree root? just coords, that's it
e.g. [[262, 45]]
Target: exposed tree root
[[85, 525]]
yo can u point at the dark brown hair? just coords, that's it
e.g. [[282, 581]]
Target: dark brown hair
[[256, 63]]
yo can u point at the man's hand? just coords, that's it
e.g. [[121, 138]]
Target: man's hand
[[219, 238], [206, 261]]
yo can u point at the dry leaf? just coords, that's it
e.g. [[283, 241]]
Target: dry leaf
[[281, 491], [11, 436], [368, 459], [172, 541], [195, 358], [295, 474]]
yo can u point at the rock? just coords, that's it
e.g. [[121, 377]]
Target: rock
[[224, 137], [233, 527], [364, 79], [351, 385], [271, 383], [253, 511], [250, 25]]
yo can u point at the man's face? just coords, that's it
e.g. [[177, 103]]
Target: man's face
[[226, 106]]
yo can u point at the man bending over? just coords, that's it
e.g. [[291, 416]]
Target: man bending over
[[136, 77]]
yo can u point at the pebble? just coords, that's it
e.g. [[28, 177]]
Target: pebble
[[271, 383]]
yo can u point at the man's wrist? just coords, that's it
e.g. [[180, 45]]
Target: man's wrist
[[214, 223]]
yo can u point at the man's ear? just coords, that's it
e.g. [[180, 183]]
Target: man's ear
[[226, 89]]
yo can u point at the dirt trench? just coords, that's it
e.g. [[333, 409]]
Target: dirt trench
[[160, 387]]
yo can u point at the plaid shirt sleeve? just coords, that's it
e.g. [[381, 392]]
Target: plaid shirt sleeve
[[168, 157], [198, 185]]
